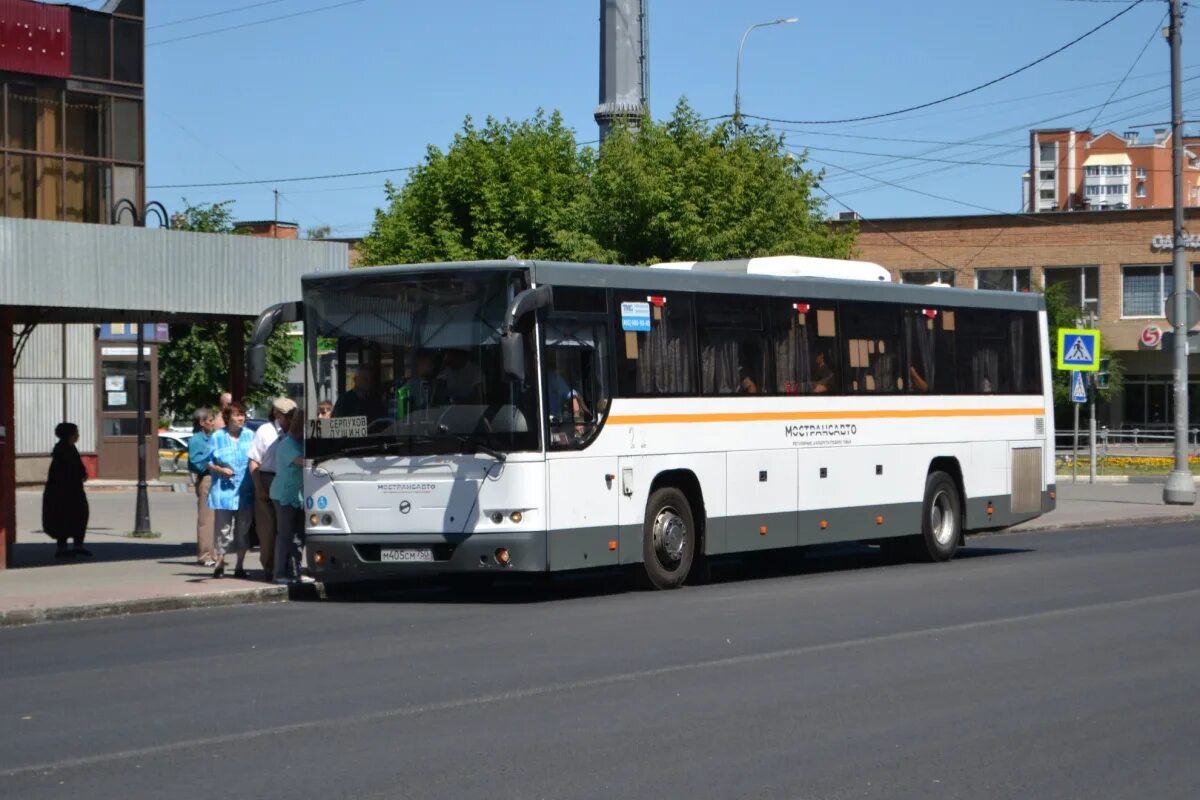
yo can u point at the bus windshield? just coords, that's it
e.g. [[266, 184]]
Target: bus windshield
[[412, 365]]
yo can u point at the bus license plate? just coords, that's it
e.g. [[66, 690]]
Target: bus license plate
[[405, 554]]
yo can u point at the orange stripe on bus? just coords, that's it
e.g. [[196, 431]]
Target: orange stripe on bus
[[783, 416]]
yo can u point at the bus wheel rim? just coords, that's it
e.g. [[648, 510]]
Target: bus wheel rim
[[670, 537], [941, 518]]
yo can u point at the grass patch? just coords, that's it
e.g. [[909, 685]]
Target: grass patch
[[145, 535]]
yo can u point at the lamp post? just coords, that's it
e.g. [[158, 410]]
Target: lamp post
[[737, 89]]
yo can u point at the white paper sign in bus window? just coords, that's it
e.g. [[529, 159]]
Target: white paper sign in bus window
[[635, 316], [338, 428]]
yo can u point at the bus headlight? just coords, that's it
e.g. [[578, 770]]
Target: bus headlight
[[516, 516]]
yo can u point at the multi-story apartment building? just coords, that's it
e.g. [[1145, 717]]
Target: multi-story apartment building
[[1073, 170]]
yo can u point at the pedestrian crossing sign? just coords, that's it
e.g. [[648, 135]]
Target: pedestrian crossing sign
[[1079, 349], [1078, 389]]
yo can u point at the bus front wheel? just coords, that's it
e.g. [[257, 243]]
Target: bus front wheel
[[668, 539], [941, 520]]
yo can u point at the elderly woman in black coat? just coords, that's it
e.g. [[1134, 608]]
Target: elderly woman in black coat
[[64, 503]]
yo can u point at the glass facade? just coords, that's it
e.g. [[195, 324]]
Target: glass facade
[[72, 149]]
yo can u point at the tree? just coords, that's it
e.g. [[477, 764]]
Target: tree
[[676, 190], [318, 232], [685, 190], [507, 188], [193, 368]]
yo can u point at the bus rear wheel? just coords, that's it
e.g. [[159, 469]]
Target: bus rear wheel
[[941, 520], [668, 539]]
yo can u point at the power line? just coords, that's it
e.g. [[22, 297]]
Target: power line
[[1153, 34], [259, 22], [214, 14], [956, 95], [279, 180], [915, 158]]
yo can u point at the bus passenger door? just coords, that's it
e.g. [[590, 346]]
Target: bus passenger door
[[583, 510]]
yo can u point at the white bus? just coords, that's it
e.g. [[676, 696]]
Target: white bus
[[521, 416]]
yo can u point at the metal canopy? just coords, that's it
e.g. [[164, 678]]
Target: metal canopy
[[73, 272]]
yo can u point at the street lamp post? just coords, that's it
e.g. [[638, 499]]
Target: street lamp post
[[737, 89]]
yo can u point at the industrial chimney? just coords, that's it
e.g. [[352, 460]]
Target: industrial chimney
[[624, 45]]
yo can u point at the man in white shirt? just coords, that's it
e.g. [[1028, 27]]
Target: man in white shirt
[[262, 472]]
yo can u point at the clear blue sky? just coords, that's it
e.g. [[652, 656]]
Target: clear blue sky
[[371, 84]]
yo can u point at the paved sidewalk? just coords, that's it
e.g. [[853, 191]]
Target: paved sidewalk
[[126, 575], [132, 575]]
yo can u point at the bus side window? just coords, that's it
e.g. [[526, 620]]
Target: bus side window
[[661, 360], [804, 346], [872, 336], [929, 336], [998, 352], [734, 351]]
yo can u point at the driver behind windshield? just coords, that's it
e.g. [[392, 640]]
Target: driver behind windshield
[[462, 378], [362, 400]]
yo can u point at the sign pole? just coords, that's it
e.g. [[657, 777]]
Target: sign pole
[[1092, 412], [1075, 448], [1179, 489]]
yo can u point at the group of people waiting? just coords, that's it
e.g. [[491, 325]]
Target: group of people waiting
[[245, 477]]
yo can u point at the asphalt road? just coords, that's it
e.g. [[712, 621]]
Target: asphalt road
[[1037, 665]]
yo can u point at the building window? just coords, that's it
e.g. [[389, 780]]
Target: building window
[[1047, 152], [1046, 194], [1081, 286], [1003, 280], [1141, 173], [924, 277], [1046, 174], [1141, 190], [1144, 290]]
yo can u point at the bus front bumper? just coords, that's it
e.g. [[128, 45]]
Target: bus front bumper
[[336, 558]]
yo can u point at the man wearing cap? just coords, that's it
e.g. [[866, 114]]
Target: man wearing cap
[[262, 472]]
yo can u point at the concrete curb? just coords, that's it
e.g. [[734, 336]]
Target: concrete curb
[[119, 608], [1106, 523]]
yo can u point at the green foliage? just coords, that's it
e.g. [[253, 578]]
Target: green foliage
[[204, 218], [676, 190], [318, 232], [1061, 314], [193, 368]]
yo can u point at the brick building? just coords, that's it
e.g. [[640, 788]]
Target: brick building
[[1072, 170], [1115, 264]]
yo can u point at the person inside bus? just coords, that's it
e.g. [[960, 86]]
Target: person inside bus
[[362, 400], [462, 378], [421, 388], [822, 375], [918, 382], [565, 405], [746, 383]]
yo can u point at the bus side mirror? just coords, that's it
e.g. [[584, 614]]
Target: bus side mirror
[[256, 364], [512, 352], [512, 343], [268, 321]]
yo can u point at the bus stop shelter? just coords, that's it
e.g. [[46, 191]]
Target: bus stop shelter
[[58, 272]]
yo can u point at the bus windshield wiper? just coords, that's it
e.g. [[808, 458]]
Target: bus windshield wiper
[[477, 446]]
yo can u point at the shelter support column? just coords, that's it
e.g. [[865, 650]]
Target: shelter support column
[[8, 442], [237, 358]]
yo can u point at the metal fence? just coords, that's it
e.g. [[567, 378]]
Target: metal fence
[[1157, 441]]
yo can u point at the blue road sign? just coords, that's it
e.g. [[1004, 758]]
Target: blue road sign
[[1078, 349], [1078, 389]]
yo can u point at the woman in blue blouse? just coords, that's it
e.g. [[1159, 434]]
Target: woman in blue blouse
[[232, 494]]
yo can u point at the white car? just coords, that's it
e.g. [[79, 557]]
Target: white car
[[172, 451]]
